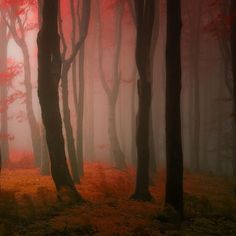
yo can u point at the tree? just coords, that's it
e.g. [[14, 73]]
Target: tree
[[174, 155], [45, 162], [145, 13], [49, 74], [113, 91], [66, 65], [15, 16], [3, 89], [195, 23], [233, 54]]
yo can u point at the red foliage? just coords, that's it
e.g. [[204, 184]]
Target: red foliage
[[13, 70], [21, 9], [11, 99]]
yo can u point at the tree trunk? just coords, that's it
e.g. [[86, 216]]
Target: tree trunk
[[174, 155], [65, 69], [133, 118], [3, 91], [233, 53], [73, 67], [68, 127], [112, 93], [118, 155], [196, 22], [45, 162], [49, 73], [153, 161], [145, 13], [34, 127], [80, 115]]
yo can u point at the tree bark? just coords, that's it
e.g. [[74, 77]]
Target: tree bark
[[68, 127], [67, 63], [49, 73], [195, 20], [80, 115], [233, 53], [174, 155], [145, 14], [45, 161]]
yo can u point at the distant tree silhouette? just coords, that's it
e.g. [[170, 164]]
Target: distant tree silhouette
[[3, 89], [174, 155], [112, 91], [233, 53], [15, 16]]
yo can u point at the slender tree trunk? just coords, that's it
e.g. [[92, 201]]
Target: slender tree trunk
[[195, 45], [112, 93], [153, 161], [20, 40], [174, 155], [49, 73], [70, 141], [80, 115], [233, 53], [145, 13], [34, 127], [3, 91], [133, 121], [65, 70], [73, 66], [153, 154], [133, 96], [89, 151], [118, 155], [205, 127]]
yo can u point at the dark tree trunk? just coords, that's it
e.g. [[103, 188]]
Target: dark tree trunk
[[3, 91], [195, 47], [174, 155], [70, 141], [0, 166], [153, 160], [233, 52], [133, 122], [73, 67], [145, 13], [67, 63], [49, 73], [45, 161]]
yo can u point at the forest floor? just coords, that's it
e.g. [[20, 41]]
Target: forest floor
[[28, 205]]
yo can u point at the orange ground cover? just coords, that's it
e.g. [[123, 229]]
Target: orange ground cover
[[28, 203]]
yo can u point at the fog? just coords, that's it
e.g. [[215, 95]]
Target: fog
[[117, 117], [214, 100]]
